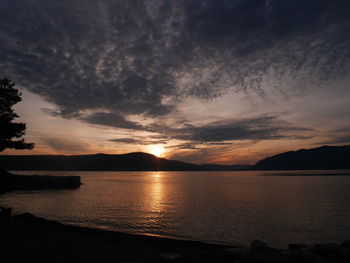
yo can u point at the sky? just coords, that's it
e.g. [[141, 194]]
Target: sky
[[224, 81]]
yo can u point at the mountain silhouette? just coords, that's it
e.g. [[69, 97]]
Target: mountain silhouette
[[137, 161], [325, 157]]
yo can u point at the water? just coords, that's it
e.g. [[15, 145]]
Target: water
[[219, 207]]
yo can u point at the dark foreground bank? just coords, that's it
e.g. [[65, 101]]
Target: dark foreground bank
[[26, 238]]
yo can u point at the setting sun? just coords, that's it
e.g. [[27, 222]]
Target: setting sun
[[156, 150]]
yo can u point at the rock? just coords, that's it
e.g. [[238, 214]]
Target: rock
[[346, 243], [296, 246], [332, 251], [35, 219], [301, 255], [258, 244], [5, 212], [309, 247], [170, 256], [268, 255], [236, 250]]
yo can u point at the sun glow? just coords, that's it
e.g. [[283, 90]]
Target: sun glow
[[156, 150]]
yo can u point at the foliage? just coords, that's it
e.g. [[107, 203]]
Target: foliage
[[10, 132]]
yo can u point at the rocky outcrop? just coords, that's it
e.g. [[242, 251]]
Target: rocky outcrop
[[261, 252]]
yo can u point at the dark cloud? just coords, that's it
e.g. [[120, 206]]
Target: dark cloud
[[110, 119], [138, 141], [184, 146], [221, 154], [196, 145], [117, 58], [345, 129], [219, 133], [267, 127], [85, 55], [126, 140]]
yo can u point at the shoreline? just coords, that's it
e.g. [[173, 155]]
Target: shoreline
[[30, 238]]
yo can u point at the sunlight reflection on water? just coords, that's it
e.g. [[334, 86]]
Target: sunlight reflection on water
[[228, 207]]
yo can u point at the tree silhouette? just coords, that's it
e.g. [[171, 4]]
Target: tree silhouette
[[10, 132]]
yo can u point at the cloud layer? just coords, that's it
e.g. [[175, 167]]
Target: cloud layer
[[267, 127], [103, 61]]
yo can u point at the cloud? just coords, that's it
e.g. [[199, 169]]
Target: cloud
[[266, 127], [121, 58], [126, 140], [337, 136], [184, 146], [65, 145], [230, 154], [138, 141], [338, 140], [110, 119], [218, 133]]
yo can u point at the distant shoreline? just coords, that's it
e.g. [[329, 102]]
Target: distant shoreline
[[307, 174], [321, 158]]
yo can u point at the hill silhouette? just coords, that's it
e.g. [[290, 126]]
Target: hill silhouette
[[325, 157], [137, 161], [97, 162]]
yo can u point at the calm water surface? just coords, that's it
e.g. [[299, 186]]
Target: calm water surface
[[228, 207]]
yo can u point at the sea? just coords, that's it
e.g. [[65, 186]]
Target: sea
[[277, 207]]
